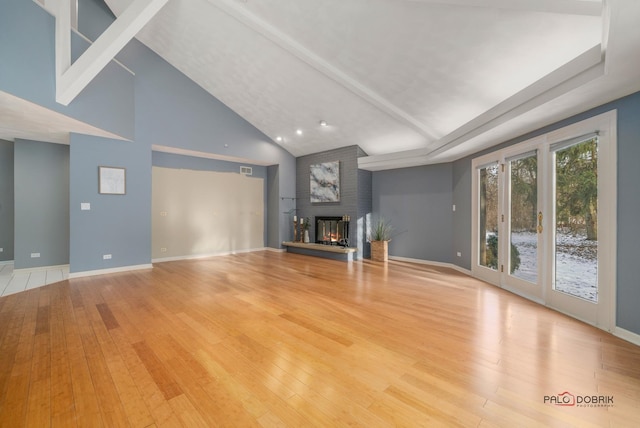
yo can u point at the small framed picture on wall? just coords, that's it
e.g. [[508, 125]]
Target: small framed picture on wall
[[112, 180]]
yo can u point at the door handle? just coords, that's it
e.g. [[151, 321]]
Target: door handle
[[540, 222]]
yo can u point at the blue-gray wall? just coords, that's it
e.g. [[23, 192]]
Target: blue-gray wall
[[417, 202], [41, 191], [171, 110], [170, 160], [6, 200], [27, 70], [119, 225], [159, 105], [461, 172], [365, 208], [276, 220], [628, 235]]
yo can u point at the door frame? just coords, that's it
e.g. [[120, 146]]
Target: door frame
[[605, 311], [518, 286], [605, 125]]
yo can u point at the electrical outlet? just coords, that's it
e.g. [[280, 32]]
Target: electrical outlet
[[106, 257], [35, 255], [85, 206], [163, 250], [454, 207], [1, 250], [459, 254], [163, 213]]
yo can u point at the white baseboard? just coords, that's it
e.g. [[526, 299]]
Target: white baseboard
[[627, 335], [39, 269], [108, 271], [431, 263], [276, 250], [204, 256]]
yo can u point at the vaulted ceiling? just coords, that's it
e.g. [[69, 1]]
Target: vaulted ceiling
[[409, 81]]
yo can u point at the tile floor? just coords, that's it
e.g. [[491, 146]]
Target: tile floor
[[11, 282]]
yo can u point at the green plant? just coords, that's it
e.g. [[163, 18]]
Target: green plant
[[306, 224], [492, 254], [381, 231]]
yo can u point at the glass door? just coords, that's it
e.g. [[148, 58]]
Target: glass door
[[486, 201], [521, 263], [544, 219], [575, 287]]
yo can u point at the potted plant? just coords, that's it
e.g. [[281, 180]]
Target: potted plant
[[379, 238]]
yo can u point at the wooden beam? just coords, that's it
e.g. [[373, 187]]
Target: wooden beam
[[76, 77]]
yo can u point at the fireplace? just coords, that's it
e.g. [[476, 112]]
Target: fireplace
[[332, 230]]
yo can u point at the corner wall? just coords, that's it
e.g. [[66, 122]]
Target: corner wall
[[6, 201], [417, 203], [41, 189]]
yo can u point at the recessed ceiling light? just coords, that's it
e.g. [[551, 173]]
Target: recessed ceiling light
[[299, 131], [323, 123], [279, 139]]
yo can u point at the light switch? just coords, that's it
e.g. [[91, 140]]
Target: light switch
[[85, 206]]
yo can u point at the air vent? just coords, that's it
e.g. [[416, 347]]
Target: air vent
[[246, 170]]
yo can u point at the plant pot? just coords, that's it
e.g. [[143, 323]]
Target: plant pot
[[306, 236], [380, 251]]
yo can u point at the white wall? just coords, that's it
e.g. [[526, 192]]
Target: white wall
[[203, 212]]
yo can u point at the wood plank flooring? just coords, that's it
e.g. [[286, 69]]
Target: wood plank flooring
[[284, 340]]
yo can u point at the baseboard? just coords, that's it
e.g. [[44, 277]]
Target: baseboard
[[627, 335], [39, 269], [431, 263], [6, 262], [276, 250], [207, 255], [108, 271], [530, 297]]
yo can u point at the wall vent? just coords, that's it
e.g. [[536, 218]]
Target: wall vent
[[246, 170]]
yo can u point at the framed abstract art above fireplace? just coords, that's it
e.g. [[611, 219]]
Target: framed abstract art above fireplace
[[325, 182]]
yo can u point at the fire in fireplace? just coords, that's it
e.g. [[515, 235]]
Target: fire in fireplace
[[332, 230]]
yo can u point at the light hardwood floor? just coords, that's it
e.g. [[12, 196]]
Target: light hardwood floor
[[273, 339]]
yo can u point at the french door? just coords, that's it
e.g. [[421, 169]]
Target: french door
[[544, 219]]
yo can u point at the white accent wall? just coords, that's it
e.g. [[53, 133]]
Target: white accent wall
[[197, 213]]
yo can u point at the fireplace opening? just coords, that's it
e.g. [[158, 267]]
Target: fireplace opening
[[332, 230]]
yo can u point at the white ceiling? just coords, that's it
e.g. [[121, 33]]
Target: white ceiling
[[409, 81]]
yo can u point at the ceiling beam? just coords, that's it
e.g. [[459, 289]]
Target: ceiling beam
[[568, 7], [63, 38], [72, 79], [244, 16], [586, 67]]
